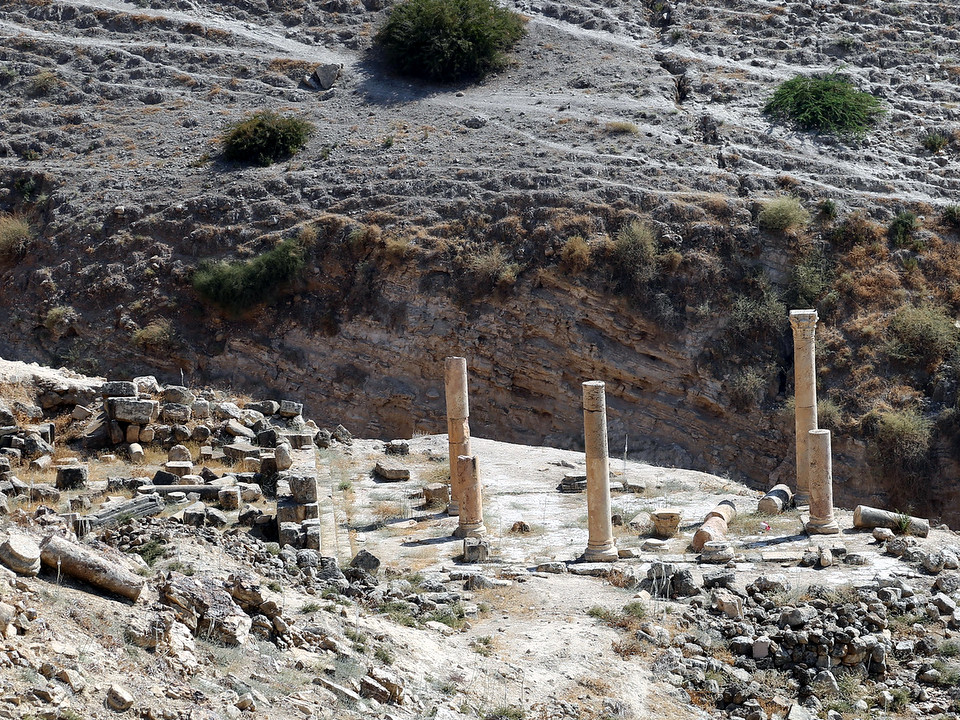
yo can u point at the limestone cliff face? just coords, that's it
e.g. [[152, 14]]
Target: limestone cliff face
[[527, 356]]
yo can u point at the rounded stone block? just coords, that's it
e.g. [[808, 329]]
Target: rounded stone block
[[20, 554]]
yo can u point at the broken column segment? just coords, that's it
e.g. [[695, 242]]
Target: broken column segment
[[777, 499], [821, 521], [600, 546], [869, 517], [458, 423], [804, 323], [471, 500], [714, 527], [79, 562]]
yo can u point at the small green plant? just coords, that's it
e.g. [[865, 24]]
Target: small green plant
[[746, 389], [448, 40], [15, 235], [756, 318], [451, 615], [387, 142], [310, 607], [621, 127], [902, 227], [383, 654], [505, 712], [949, 648], [951, 215], [400, 612], [636, 609], [265, 138], [810, 280], [275, 586], [828, 209], [59, 316], [344, 486], [483, 645], [240, 285], [825, 103], [903, 523], [783, 213], [829, 415], [934, 140], [151, 551]]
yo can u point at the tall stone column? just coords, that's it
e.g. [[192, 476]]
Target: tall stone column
[[600, 545], [804, 324], [471, 500], [458, 423], [822, 521]]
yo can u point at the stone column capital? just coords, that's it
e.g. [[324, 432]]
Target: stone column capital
[[804, 323]]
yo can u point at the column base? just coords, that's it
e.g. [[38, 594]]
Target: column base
[[471, 530], [453, 509], [818, 527], [801, 498], [604, 553]]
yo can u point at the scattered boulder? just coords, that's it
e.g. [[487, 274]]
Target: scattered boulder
[[20, 554], [119, 698], [391, 471]]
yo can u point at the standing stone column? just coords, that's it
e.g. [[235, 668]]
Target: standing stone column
[[600, 545], [804, 324], [471, 500], [458, 423], [821, 520]]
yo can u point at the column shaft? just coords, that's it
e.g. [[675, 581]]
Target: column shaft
[[458, 423], [600, 545], [804, 324], [822, 521], [471, 499]]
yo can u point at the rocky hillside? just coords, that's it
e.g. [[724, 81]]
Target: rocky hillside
[[485, 220]]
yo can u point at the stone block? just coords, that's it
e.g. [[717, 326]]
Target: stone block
[[178, 467], [119, 388], [266, 407], [289, 534], [175, 413], [251, 464], [200, 409], [289, 409], [436, 494], [20, 554], [135, 451], [391, 471], [666, 521], [475, 550], [132, 433], [303, 488], [132, 410], [81, 412], [195, 515], [162, 477], [238, 430], [289, 511], [147, 384], [72, 477], [147, 434], [179, 453], [229, 498], [239, 450], [179, 395]]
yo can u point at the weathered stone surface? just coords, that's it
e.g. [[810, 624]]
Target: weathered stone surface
[[132, 410], [179, 395], [179, 453], [21, 554], [290, 409], [147, 384], [366, 561], [237, 429], [229, 498], [666, 521], [195, 515], [303, 488], [266, 407], [391, 471], [91, 567], [118, 388], [475, 550], [206, 608], [72, 477], [119, 698], [436, 494], [175, 413]]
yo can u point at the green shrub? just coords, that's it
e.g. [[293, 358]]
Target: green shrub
[[951, 215], [826, 103], [238, 286], [157, 334], [924, 335], [829, 415], [746, 389], [809, 281], [828, 209], [15, 235], [448, 40], [265, 137], [492, 268], [575, 254], [44, 82], [857, 229], [633, 256], [934, 141], [505, 712], [783, 213], [903, 440], [902, 227], [762, 318]]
